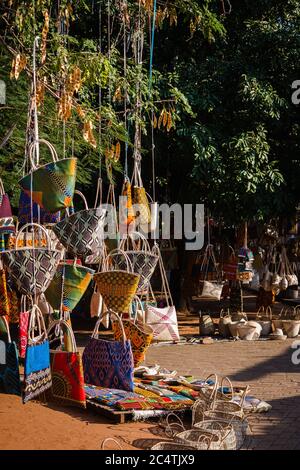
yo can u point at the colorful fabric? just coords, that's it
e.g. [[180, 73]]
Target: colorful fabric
[[37, 214], [37, 372], [71, 281], [143, 263], [14, 307], [52, 184], [185, 391], [23, 333], [163, 321], [108, 396], [82, 233], [108, 364], [67, 378], [9, 368], [117, 288], [31, 269], [139, 335]]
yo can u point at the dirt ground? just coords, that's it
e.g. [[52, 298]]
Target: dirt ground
[[265, 365]]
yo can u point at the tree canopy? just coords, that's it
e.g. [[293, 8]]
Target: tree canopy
[[225, 130]]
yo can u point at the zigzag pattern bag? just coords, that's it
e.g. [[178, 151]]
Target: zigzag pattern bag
[[108, 363]]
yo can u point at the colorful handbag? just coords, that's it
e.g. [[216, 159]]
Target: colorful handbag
[[6, 218], [68, 286], [163, 321], [37, 373], [138, 333], [118, 287], [52, 185], [31, 269], [23, 328], [37, 214], [142, 259], [9, 364], [67, 371], [108, 363], [82, 232]]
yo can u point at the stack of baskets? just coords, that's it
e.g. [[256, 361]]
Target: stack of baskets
[[218, 423]]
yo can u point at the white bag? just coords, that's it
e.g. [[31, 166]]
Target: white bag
[[212, 290], [163, 321]]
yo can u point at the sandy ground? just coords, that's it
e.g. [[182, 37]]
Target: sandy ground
[[265, 365]]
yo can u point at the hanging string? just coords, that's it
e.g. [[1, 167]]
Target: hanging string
[[125, 87], [98, 198], [226, 11], [152, 34]]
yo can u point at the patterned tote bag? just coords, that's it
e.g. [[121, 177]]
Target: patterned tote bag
[[66, 369], [163, 321], [52, 185], [82, 233], [68, 286], [6, 218], [108, 363], [117, 287], [143, 260], [4, 299], [137, 332], [37, 373], [32, 269], [9, 364]]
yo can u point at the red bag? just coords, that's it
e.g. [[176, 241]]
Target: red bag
[[230, 269], [23, 328], [67, 372]]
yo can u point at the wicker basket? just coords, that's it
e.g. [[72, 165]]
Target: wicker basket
[[200, 439], [171, 446], [240, 425], [222, 429]]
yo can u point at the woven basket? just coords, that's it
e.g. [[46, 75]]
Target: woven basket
[[222, 429], [171, 446], [240, 425], [200, 439]]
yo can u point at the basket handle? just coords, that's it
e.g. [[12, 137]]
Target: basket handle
[[40, 227], [79, 193], [112, 440], [6, 324], [63, 325], [227, 379], [2, 190], [269, 312], [138, 301], [140, 236], [169, 425], [95, 333], [215, 387], [129, 266], [205, 439], [36, 319], [35, 144]]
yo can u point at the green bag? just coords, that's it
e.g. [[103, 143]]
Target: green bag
[[52, 185]]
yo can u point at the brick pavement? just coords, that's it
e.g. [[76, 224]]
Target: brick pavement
[[265, 365]]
